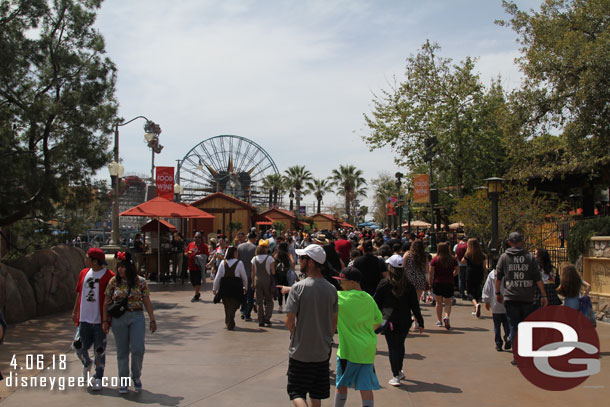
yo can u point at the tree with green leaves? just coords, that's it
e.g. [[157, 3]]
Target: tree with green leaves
[[318, 187], [350, 183], [445, 103], [384, 187], [57, 106], [274, 183], [297, 176], [559, 119], [519, 209]]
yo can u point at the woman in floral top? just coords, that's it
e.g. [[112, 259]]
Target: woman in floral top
[[128, 329]]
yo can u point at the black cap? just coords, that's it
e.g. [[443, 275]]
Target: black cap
[[350, 273], [515, 237]]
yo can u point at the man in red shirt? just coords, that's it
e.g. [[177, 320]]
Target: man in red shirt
[[343, 247], [198, 254], [88, 314]]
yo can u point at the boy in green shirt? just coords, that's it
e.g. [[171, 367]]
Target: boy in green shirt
[[358, 318]]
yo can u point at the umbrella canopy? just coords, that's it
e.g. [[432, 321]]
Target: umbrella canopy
[[153, 227], [456, 225], [164, 208], [417, 224]]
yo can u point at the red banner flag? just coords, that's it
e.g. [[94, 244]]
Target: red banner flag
[[165, 182]]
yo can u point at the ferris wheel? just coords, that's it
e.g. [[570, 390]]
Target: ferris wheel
[[230, 164]]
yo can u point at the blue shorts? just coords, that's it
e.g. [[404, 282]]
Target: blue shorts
[[356, 375]]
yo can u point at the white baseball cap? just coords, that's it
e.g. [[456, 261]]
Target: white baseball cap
[[314, 252], [395, 261]]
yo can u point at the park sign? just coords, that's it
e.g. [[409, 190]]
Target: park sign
[[165, 182], [421, 188]]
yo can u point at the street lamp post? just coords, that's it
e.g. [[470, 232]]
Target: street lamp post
[[152, 139], [494, 189], [430, 150], [400, 202], [116, 173]]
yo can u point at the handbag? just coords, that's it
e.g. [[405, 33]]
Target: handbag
[[385, 322], [118, 308]]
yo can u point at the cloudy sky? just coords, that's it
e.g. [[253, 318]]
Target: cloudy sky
[[294, 76]]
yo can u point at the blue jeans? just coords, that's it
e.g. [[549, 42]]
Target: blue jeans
[[92, 334], [516, 312], [500, 321], [462, 280], [572, 302], [248, 302], [128, 333]]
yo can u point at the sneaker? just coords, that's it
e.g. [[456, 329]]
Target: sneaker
[[97, 385], [513, 362], [268, 323], [446, 323], [137, 385], [194, 299], [478, 311], [261, 324], [474, 313], [123, 390], [508, 345], [248, 318], [243, 316], [401, 375], [439, 323], [394, 381], [499, 348], [453, 301]]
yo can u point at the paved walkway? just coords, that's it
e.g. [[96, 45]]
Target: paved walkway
[[193, 361]]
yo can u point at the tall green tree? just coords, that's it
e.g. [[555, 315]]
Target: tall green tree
[[448, 102], [560, 117], [384, 187], [275, 184], [318, 187], [296, 177], [350, 183], [57, 106]]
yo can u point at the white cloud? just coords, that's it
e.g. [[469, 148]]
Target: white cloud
[[295, 77]]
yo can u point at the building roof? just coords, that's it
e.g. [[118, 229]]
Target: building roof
[[225, 197], [257, 217], [282, 211], [325, 215]]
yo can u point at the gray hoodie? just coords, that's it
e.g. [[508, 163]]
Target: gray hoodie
[[519, 270]]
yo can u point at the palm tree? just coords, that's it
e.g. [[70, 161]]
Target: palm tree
[[267, 185], [319, 187], [296, 177], [349, 182], [277, 184]]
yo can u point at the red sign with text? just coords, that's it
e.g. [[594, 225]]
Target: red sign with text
[[165, 182]]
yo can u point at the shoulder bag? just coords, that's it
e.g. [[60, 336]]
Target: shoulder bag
[[118, 308]]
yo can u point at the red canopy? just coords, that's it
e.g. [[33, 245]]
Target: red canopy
[[163, 208], [153, 227]]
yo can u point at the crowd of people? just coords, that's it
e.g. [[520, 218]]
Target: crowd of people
[[357, 284]]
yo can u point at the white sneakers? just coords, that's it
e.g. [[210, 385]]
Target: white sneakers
[[395, 381], [97, 385]]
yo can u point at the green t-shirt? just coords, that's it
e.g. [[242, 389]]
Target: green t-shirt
[[358, 313]]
